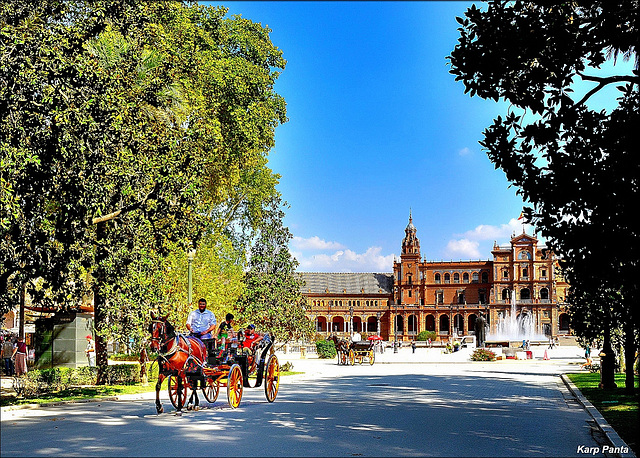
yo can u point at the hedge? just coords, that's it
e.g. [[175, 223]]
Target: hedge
[[37, 382], [326, 349]]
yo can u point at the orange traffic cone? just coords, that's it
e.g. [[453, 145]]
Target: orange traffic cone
[[546, 357]]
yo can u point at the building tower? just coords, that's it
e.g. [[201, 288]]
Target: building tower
[[406, 272]]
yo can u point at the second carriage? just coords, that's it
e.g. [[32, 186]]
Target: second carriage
[[360, 351]]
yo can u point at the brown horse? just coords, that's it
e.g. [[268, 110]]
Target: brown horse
[[342, 348], [178, 355]]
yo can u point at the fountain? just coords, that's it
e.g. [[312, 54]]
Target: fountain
[[512, 329]]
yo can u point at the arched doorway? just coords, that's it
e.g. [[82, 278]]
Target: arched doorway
[[357, 324], [430, 323], [337, 324], [563, 323], [444, 325], [399, 324], [412, 324], [458, 324], [471, 323], [372, 324], [321, 324]]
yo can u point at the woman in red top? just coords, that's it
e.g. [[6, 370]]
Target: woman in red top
[[20, 355]]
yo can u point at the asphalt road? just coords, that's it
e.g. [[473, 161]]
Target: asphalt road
[[430, 409]]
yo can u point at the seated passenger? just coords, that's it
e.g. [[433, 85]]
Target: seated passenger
[[251, 337]]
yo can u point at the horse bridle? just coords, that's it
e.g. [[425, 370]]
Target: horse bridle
[[176, 347]]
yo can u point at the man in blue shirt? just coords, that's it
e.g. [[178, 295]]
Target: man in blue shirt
[[201, 322]]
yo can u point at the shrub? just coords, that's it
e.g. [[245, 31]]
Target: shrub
[[326, 349], [426, 335], [481, 354]]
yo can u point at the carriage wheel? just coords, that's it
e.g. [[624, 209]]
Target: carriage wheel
[[352, 357], [211, 390], [234, 386], [372, 357], [173, 382], [272, 378]]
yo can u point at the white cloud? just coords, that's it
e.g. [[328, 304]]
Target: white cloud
[[464, 152], [314, 243], [463, 249], [345, 260], [469, 244]]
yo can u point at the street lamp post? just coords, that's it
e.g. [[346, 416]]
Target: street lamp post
[[191, 254], [395, 332], [351, 321]]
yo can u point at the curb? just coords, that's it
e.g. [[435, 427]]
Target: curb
[[612, 436], [124, 397]]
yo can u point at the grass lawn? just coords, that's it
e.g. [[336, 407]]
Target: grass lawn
[[90, 392], [618, 408]]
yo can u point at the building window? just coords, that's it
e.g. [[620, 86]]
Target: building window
[[447, 278], [437, 278], [485, 277], [456, 278], [544, 294], [475, 277], [465, 278], [505, 274], [525, 272], [440, 297]]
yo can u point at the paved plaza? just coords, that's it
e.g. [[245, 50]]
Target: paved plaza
[[427, 404]]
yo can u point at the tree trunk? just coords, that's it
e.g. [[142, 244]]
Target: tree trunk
[[607, 362], [629, 356], [98, 306]]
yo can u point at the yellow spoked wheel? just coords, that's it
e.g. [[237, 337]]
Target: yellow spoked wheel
[[272, 378], [234, 386], [177, 385], [352, 357], [372, 357], [212, 390]]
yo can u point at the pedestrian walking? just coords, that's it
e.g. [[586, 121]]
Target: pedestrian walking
[[20, 357], [90, 351], [7, 354], [413, 346]]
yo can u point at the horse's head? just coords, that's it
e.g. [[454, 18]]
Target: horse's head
[[161, 331]]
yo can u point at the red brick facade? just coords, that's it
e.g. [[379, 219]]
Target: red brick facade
[[442, 297]]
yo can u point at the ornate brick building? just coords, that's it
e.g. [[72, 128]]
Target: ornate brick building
[[443, 297]]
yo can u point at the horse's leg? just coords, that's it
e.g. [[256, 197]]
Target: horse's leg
[[159, 408]]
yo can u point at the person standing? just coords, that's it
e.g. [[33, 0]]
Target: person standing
[[7, 354], [413, 346], [20, 356], [90, 351], [201, 322]]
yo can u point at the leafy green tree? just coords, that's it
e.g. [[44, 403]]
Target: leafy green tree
[[123, 126], [576, 165], [272, 298]]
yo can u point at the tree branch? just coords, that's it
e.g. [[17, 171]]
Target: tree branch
[[602, 82], [125, 210]]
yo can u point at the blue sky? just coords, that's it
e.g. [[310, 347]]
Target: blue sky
[[377, 126]]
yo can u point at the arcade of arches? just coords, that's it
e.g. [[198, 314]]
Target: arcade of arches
[[443, 297]]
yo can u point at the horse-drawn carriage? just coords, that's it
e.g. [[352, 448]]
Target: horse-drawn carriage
[[349, 352], [189, 364]]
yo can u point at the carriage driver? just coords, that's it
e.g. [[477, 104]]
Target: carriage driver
[[201, 322]]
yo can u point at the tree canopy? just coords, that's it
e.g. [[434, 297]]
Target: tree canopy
[[130, 131], [272, 297], [574, 162]]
